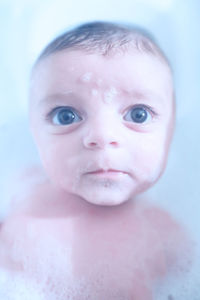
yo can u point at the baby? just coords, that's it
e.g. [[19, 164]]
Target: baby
[[102, 114]]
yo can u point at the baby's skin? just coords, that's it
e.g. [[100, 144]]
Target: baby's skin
[[103, 127], [91, 252]]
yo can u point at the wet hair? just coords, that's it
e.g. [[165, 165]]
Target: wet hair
[[104, 38]]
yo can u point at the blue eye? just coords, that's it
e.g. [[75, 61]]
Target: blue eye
[[64, 116], [138, 114]]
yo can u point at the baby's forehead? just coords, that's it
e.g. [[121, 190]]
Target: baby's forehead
[[87, 66], [80, 72]]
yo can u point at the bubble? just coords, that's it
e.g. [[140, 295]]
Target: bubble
[[110, 94], [94, 92], [180, 284], [86, 77]]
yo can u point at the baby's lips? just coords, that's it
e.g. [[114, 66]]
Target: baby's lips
[[99, 171], [107, 173]]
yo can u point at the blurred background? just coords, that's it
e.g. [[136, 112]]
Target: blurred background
[[26, 26]]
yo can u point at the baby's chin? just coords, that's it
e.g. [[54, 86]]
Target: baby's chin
[[107, 197], [104, 190], [105, 201]]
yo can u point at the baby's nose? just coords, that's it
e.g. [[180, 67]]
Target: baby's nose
[[101, 135]]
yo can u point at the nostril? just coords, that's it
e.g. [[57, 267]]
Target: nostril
[[94, 140], [92, 144], [113, 143], [101, 144]]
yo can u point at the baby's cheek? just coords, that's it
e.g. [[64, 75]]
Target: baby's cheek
[[59, 164], [150, 158], [51, 157]]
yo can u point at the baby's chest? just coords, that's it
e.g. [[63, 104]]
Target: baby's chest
[[45, 252], [45, 242]]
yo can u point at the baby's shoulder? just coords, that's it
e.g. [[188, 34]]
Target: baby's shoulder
[[30, 187], [176, 240], [167, 227]]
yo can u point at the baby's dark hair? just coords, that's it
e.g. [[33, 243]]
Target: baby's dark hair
[[105, 38]]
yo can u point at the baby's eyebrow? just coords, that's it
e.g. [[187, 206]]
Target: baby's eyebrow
[[141, 94], [55, 96], [144, 95]]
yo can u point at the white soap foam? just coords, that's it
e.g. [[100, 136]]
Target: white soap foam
[[86, 77], [110, 94], [180, 285], [94, 92]]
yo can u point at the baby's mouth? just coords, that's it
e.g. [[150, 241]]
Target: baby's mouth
[[110, 173]]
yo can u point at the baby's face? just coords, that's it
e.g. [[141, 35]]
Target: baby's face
[[102, 125]]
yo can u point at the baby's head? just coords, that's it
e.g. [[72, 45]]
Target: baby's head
[[102, 112]]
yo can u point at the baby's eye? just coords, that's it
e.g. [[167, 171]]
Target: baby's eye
[[64, 116], [138, 114]]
